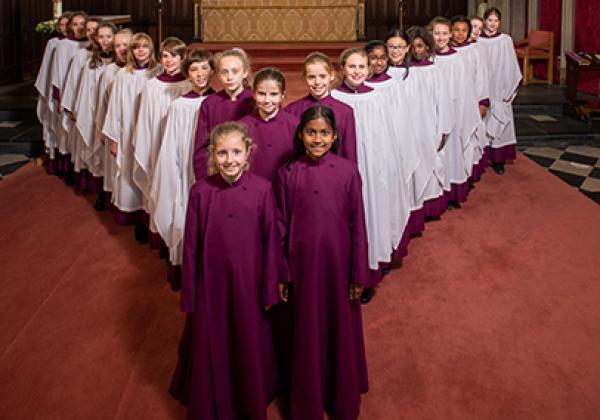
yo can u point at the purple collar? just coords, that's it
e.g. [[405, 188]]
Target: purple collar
[[192, 94], [168, 78], [449, 52], [120, 64], [421, 63], [243, 95], [61, 36], [486, 35], [105, 54], [325, 159], [144, 67], [379, 78], [464, 44], [89, 47], [398, 66], [347, 89]]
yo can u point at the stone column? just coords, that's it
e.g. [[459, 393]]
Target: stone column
[[567, 36]]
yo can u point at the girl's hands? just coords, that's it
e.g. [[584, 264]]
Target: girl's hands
[[482, 111], [114, 147], [283, 291], [356, 290]]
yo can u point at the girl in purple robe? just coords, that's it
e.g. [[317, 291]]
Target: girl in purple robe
[[320, 202], [231, 263], [378, 61], [271, 128], [230, 104], [319, 76]]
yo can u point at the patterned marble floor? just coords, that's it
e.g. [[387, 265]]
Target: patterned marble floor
[[579, 166]]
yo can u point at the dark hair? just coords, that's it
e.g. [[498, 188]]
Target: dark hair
[[269, 73], [420, 32], [78, 13], [197, 56], [314, 113], [492, 11], [462, 19], [373, 45], [397, 33]]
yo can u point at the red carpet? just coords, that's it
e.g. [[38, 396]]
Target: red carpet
[[494, 314]]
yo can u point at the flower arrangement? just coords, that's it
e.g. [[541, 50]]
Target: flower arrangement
[[46, 27]]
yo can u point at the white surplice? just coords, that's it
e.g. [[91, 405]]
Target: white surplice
[[155, 100], [69, 96], [174, 174], [477, 75], [102, 152], [504, 76], [63, 53], [85, 110], [380, 171], [119, 126], [43, 84], [431, 114], [457, 84]]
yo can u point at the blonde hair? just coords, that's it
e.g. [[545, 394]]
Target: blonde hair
[[316, 57], [221, 131], [173, 46], [242, 56], [138, 40]]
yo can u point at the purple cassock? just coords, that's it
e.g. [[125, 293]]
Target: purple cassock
[[231, 259], [216, 109], [344, 120], [321, 206], [274, 140]]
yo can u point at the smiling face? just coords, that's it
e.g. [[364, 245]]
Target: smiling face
[[104, 37], [420, 50], [441, 37], [476, 27], [378, 61], [230, 155], [141, 53], [460, 33], [317, 137], [170, 62], [268, 97], [232, 74], [492, 23], [319, 79], [200, 74], [122, 41], [356, 70], [397, 49]]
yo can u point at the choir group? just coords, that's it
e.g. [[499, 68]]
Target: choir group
[[277, 221]]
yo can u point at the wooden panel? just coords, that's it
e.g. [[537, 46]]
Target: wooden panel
[[382, 15]]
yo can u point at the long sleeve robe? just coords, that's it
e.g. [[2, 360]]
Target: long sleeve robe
[[230, 273], [320, 203]]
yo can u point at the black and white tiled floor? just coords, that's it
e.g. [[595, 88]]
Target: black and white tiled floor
[[578, 166], [10, 163]]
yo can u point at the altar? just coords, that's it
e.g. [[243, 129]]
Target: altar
[[281, 20]]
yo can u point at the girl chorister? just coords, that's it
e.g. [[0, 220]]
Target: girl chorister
[[270, 127], [377, 53], [319, 76], [397, 44], [320, 200], [87, 99], [63, 53], [119, 126], [43, 85], [156, 98], [174, 172], [231, 272], [102, 147], [230, 104], [460, 89], [69, 96], [504, 78]]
